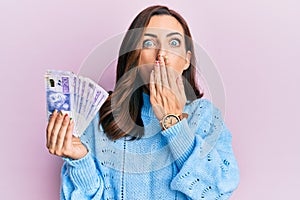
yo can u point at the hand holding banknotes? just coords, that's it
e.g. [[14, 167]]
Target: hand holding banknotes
[[70, 96], [60, 140]]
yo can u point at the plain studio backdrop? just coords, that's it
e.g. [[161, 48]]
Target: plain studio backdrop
[[255, 45]]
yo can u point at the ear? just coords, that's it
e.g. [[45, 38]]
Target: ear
[[187, 60]]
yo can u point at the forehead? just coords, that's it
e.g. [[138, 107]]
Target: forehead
[[164, 23]]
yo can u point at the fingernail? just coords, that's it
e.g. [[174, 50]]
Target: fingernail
[[157, 65], [152, 73], [60, 112], [55, 111]]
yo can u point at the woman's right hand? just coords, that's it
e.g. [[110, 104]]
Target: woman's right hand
[[60, 140]]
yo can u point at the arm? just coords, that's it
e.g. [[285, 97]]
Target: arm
[[80, 175], [204, 156], [201, 147], [81, 179]]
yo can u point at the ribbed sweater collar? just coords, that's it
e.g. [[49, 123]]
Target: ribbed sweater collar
[[150, 121], [147, 110]]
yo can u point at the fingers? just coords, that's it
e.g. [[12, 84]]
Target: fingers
[[50, 127], [163, 72], [164, 93], [54, 132], [172, 76], [164, 79], [167, 94], [61, 135], [157, 79], [69, 135], [61, 139], [180, 86], [60, 125], [155, 97], [152, 85]]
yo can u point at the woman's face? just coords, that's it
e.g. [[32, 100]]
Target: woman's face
[[164, 35]]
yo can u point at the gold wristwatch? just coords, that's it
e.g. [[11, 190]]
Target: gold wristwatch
[[171, 119]]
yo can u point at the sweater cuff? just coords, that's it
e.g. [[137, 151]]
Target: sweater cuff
[[181, 141], [83, 172]]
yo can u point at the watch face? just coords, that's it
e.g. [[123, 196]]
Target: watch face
[[170, 120]]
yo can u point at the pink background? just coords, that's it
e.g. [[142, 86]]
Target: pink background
[[254, 43]]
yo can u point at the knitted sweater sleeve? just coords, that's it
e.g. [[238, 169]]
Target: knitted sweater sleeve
[[81, 179], [201, 147]]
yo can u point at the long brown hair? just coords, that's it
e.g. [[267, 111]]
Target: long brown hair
[[120, 115]]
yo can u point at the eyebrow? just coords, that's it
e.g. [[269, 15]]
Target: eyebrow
[[150, 34], [168, 35], [174, 33]]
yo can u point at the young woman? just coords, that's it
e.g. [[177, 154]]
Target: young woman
[[154, 137]]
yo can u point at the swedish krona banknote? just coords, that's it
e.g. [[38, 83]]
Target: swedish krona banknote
[[77, 96]]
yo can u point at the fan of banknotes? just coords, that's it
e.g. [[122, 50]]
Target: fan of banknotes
[[77, 96]]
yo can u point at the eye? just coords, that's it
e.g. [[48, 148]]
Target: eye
[[148, 44], [175, 43]]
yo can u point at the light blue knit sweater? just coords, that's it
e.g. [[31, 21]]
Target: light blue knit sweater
[[190, 160]]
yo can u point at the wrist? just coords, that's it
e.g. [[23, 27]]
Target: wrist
[[171, 119]]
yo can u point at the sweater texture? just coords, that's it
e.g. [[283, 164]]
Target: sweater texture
[[191, 160]]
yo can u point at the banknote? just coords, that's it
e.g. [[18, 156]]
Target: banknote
[[59, 89], [97, 97], [77, 96]]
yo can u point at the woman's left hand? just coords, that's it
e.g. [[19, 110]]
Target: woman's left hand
[[167, 95]]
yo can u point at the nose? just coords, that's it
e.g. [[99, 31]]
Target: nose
[[161, 52]]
